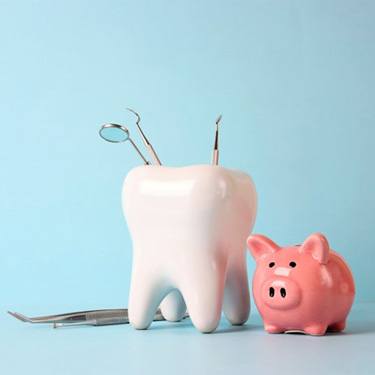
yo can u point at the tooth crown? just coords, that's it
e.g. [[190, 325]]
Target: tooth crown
[[189, 227]]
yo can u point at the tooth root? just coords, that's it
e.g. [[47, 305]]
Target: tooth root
[[145, 296], [236, 294], [203, 293], [173, 306]]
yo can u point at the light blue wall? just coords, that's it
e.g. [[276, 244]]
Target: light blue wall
[[294, 81]]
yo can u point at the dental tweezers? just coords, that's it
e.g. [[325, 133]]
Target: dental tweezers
[[89, 317]]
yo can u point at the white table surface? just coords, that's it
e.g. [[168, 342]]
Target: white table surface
[[177, 348]]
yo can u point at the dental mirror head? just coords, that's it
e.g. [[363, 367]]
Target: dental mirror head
[[116, 133]]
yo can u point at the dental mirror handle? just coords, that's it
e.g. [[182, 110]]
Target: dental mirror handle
[[139, 152]]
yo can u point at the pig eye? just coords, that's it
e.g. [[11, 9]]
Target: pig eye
[[271, 264], [292, 264]]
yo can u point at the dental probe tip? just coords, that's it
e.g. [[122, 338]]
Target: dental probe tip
[[138, 117], [218, 120], [146, 142], [215, 156]]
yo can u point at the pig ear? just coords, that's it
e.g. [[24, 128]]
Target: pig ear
[[261, 245], [316, 245]]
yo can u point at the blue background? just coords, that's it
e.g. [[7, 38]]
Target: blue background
[[294, 81]]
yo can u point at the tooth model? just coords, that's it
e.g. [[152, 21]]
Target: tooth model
[[189, 227]]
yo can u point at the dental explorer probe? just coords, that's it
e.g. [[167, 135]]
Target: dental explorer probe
[[215, 154], [146, 142]]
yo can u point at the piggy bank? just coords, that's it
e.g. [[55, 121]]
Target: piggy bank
[[306, 287]]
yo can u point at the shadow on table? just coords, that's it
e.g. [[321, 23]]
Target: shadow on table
[[353, 328], [224, 326], [362, 323]]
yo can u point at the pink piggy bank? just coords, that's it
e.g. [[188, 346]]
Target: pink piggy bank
[[304, 287]]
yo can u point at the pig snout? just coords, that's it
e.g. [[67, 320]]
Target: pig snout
[[281, 293]]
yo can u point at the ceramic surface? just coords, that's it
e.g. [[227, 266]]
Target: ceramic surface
[[189, 227], [307, 287]]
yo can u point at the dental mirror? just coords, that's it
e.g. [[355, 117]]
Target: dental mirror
[[115, 133]]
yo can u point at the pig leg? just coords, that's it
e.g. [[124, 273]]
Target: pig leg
[[236, 294], [271, 328], [173, 306], [203, 293], [317, 329], [337, 327]]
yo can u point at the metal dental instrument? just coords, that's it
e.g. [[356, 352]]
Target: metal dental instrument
[[215, 154], [115, 133], [148, 145], [90, 317]]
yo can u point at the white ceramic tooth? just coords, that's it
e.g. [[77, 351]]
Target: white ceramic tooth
[[236, 295], [189, 227], [173, 306]]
